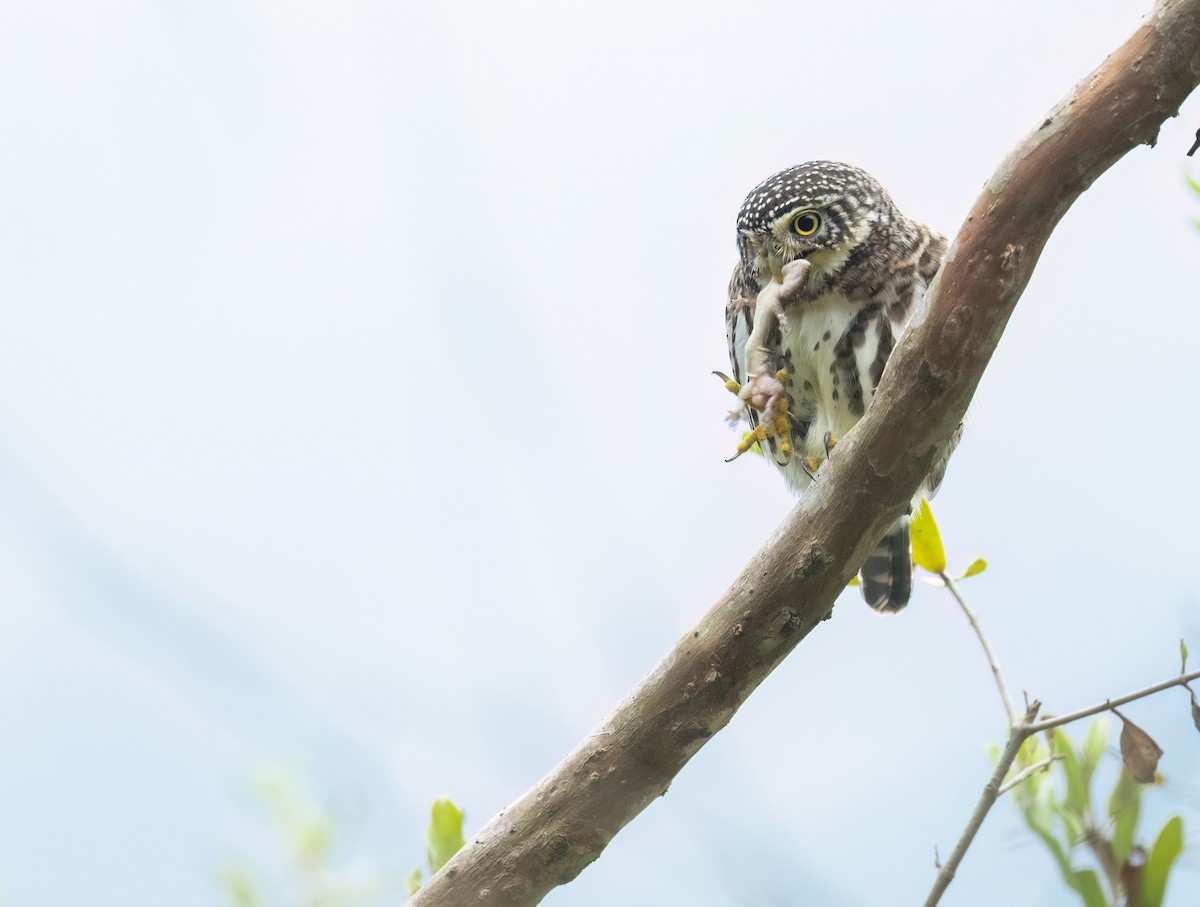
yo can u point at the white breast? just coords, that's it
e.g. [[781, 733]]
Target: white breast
[[814, 331]]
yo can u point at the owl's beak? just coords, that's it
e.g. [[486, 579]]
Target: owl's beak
[[775, 266]]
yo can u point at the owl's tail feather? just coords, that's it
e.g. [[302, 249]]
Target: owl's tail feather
[[886, 575]]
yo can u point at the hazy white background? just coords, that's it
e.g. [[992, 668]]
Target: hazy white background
[[355, 416]]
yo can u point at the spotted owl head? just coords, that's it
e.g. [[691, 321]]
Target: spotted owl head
[[821, 211]]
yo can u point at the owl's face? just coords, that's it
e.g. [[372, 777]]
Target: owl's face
[[820, 211]]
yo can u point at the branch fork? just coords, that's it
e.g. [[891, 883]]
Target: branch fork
[[1021, 729]]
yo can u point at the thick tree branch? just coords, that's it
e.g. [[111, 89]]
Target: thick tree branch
[[564, 822]]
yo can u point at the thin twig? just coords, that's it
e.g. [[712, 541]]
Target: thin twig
[[1026, 772], [1009, 708], [1108, 704], [1018, 735], [991, 791], [1019, 732]]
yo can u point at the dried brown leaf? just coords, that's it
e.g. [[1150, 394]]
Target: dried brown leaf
[[1139, 752]]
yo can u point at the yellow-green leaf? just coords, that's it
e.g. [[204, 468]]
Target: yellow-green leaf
[[1094, 745], [1087, 883], [1124, 807], [413, 882], [1183, 656], [444, 837], [1167, 846], [977, 567], [1078, 797], [927, 541], [853, 580], [313, 841], [241, 889]]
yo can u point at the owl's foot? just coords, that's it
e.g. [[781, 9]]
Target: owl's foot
[[830, 441], [811, 465], [766, 394]]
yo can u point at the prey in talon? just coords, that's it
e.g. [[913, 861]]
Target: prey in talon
[[767, 397], [765, 392], [830, 273]]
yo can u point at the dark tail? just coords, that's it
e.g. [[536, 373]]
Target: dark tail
[[886, 575]]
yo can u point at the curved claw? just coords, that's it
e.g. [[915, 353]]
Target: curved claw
[[830, 441], [779, 427], [730, 385]]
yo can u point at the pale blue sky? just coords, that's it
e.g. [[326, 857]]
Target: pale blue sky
[[355, 416]]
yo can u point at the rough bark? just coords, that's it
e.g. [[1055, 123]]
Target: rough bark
[[545, 838]]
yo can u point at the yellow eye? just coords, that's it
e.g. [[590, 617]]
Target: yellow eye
[[806, 224]]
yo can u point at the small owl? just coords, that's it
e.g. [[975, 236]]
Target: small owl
[[818, 358]]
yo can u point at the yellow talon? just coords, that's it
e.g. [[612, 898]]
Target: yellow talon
[[779, 426], [749, 439]]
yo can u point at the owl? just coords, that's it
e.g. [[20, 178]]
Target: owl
[[856, 272]]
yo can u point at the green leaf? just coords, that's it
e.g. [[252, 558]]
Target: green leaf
[[313, 841], [1030, 753], [927, 541], [1167, 847], [853, 581], [1094, 745], [1034, 750], [1087, 884], [1084, 881], [1124, 807], [1183, 656], [444, 837], [413, 882], [1073, 826], [240, 888], [976, 567], [1078, 799], [308, 831], [1040, 826]]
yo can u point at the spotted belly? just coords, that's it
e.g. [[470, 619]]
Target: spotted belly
[[834, 352]]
